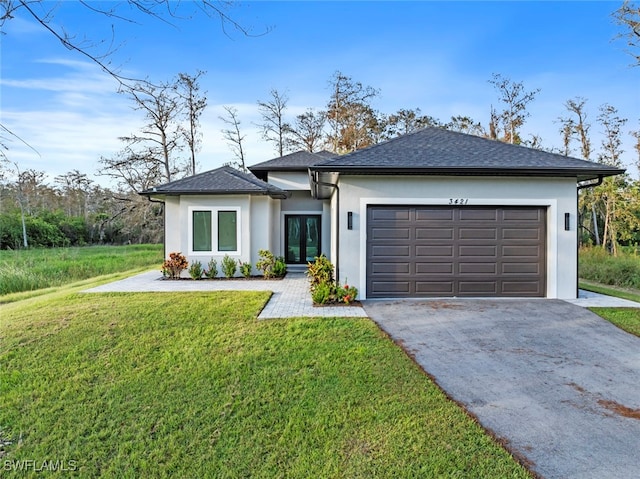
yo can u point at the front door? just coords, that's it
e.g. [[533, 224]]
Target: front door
[[302, 238]]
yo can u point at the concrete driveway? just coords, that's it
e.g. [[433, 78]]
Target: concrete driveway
[[557, 384]]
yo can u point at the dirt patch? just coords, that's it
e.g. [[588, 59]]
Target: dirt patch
[[620, 409]]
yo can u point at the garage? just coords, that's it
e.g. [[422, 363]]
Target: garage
[[431, 251]]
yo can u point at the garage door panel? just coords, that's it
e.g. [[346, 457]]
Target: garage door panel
[[434, 233], [522, 233], [434, 268], [391, 233], [478, 234], [478, 268], [522, 214], [394, 268], [390, 288], [476, 288], [455, 251], [434, 250], [435, 288], [433, 214], [473, 214], [478, 251], [387, 251]]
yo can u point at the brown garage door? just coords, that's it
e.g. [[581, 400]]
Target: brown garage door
[[455, 251]]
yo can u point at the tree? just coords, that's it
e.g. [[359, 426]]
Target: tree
[[74, 187], [465, 124], [307, 132], [407, 121], [234, 137], [274, 127], [612, 141], [193, 104], [628, 16], [516, 99], [351, 118]]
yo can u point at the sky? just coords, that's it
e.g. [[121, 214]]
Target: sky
[[436, 56]]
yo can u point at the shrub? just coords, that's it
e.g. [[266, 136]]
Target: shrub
[[245, 269], [196, 270], [229, 266], [266, 263], [320, 271], [279, 267], [346, 294], [212, 270], [174, 266], [322, 293]]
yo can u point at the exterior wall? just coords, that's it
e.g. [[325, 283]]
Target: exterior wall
[[301, 202], [557, 194], [289, 180], [256, 220]]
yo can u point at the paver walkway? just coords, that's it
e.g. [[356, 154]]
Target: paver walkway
[[290, 295]]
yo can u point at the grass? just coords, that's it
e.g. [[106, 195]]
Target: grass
[[627, 319], [192, 385], [30, 270], [597, 265]]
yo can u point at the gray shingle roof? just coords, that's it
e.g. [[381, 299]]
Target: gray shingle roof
[[438, 151], [221, 181], [298, 161]]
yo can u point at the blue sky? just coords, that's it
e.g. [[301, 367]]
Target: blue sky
[[436, 56]]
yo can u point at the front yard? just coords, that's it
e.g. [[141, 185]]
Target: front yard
[[192, 385]]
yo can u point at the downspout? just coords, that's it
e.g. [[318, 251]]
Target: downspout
[[582, 187], [337, 189]]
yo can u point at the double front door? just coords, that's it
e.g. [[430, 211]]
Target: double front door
[[302, 238]]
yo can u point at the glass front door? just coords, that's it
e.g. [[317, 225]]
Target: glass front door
[[302, 238]]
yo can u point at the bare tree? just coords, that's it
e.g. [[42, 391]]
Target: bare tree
[[465, 124], [516, 99], [350, 115], [612, 124], [628, 16], [193, 104], [234, 137], [307, 132], [75, 188], [159, 139], [274, 127]]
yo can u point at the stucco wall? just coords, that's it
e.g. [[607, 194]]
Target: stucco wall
[[557, 194], [289, 180], [257, 215]]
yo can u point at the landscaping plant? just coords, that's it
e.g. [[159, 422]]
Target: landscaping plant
[[279, 267], [266, 263], [245, 269], [174, 266], [195, 270], [229, 266], [212, 272], [324, 289]]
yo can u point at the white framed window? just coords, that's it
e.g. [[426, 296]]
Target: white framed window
[[214, 230]]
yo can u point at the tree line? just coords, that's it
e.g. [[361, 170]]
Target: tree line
[[75, 210]]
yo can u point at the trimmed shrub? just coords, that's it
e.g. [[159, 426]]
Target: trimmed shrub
[[245, 269], [229, 266], [174, 266], [212, 271], [195, 270]]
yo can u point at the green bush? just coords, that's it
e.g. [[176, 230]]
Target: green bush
[[322, 293], [212, 271], [346, 294], [266, 263], [195, 270], [320, 271], [229, 266], [246, 269], [279, 267]]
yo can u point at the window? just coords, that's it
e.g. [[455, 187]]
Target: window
[[201, 231], [227, 231], [214, 230]]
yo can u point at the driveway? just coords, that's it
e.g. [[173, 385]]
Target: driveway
[[557, 384]]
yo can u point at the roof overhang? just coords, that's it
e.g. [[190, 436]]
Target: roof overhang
[[322, 177], [280, 194]]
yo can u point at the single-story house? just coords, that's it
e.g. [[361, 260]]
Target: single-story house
[[433, 213]]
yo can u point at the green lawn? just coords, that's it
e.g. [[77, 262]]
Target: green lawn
[[34, 269], [625, 318], [192, 385]]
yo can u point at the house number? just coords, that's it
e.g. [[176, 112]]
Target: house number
[[458, 201]]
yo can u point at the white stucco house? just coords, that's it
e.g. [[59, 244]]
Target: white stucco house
[[431, 213]]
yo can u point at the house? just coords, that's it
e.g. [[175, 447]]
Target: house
[[430, 213]]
